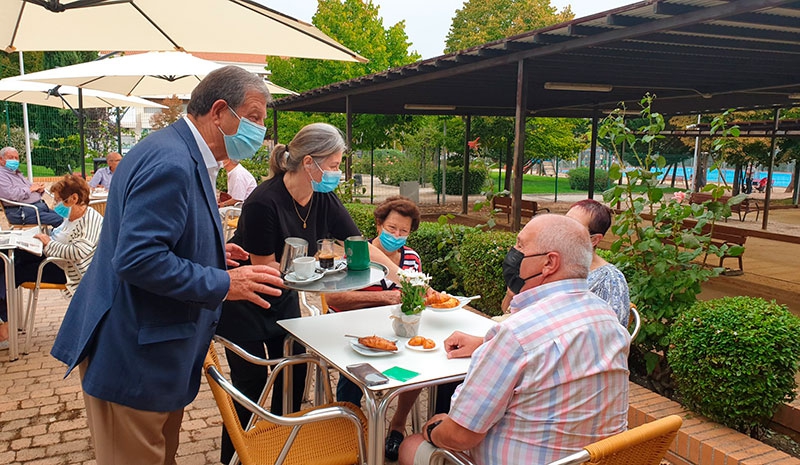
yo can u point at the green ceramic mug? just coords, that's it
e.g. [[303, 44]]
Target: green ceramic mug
[[357, 250]]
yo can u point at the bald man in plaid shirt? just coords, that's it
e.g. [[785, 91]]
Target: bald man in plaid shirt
[[548, 380]]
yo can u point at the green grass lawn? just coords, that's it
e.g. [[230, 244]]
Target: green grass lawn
[[532, 184], [44, 172]]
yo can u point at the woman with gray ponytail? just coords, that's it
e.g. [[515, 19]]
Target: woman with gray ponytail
[[296, 201]]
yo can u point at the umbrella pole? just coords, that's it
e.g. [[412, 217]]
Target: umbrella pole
[[83, 140], [26, 125], [119, 133]]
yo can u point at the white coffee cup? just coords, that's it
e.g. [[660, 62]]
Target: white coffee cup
[[304, 267]]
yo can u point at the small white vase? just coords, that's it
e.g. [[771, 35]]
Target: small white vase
[[405, 325]]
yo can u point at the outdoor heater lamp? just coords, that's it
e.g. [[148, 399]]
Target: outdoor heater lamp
[[422, 106], [578, 86]]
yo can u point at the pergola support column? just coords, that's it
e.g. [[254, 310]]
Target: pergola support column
[[519, 144]]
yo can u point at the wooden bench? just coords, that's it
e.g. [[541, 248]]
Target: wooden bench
[[722, 235], [742, 209], [528, 208]]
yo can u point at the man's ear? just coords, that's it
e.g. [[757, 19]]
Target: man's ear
[[217, 108], [552, 265], [596, 238]]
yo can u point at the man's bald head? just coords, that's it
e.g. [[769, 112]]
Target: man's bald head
[[561, 236], [112, 160]]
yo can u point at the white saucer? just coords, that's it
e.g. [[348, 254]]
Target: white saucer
[[366, 351], [294, 279], [420, 348]]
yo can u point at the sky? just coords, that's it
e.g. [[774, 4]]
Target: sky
[[428, 21]]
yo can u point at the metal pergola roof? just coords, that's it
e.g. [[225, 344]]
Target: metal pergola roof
[[698, 56]]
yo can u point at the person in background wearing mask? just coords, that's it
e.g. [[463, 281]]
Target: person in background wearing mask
[[296, 201], [537, 388], [16, 187], [102, 178], [140, 323], [395, 219], [74, 240]]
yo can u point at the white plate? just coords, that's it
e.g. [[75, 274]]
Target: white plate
[[420, 348], [461, 302], [364, 350], [294, 279]]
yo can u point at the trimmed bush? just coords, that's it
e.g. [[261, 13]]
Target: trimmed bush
[[481, 258], [475, 184], [734, 360], [436, 245], [579, 179], [363, 215]]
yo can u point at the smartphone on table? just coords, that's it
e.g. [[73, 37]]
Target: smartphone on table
[[367, 374]]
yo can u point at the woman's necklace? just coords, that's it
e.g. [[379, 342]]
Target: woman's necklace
[[304, 220]]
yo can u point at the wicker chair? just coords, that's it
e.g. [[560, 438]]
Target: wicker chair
[[644, 445], [33, 288], [329, 434]]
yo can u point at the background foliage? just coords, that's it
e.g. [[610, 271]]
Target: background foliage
[[734, 360]]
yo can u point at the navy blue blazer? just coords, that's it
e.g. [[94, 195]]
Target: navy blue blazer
[[146, 310]]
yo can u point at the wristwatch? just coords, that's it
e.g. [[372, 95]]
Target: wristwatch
[[429, 430]]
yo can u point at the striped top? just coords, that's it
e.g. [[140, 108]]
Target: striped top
[[78, 248], [548, 380]]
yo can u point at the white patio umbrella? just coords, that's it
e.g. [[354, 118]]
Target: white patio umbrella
[[225, 26], [143, 74], [39, 93]]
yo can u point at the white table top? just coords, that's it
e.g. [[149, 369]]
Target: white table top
[[324, 335]]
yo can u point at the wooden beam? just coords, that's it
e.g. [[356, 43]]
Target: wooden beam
[[519, 144]]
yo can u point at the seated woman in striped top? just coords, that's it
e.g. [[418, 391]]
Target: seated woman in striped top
[[75, 241]]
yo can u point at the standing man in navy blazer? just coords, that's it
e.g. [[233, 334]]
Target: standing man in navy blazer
[[141, 321]]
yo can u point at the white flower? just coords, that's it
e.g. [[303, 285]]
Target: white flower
[[413, 278]]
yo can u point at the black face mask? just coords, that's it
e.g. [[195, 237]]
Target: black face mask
[[511, 265]]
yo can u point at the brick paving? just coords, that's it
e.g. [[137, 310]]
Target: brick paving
[[42, 416]]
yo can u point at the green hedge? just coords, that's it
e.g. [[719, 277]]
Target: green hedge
[[579, 179], [475, 183], [436, 245], [481, 260], [734, 360], [364, 216]]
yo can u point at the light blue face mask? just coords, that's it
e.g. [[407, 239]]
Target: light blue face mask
[[62, 210], [390, 242], [12, 165], [330, 179], [246, 141]]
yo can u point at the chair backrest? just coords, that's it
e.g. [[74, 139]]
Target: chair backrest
[[99, 205], [644, 445], [335, 431], [635, 320], [226, 406]]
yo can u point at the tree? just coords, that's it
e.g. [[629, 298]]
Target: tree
[[356, 24], [168, 115], [481, 21]]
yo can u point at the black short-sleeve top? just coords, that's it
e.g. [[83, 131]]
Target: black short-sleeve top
[[270, 215]]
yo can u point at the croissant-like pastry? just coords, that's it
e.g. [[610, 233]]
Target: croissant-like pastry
[[451, 302], [436, 298], [377, 342]]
